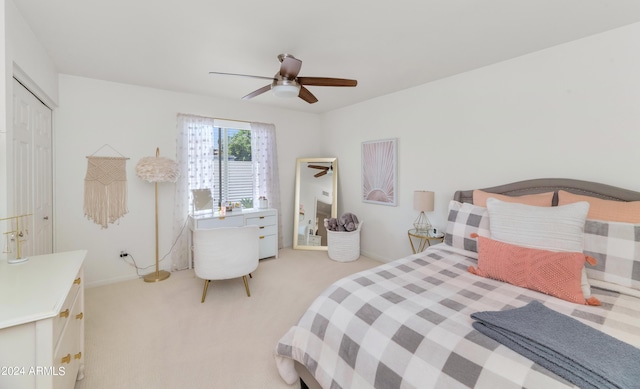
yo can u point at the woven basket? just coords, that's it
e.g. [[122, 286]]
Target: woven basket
[[344, 246]]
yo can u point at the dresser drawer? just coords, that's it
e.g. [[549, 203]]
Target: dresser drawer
[[222, 221], [68, 353], [66, 311], [261, 221]]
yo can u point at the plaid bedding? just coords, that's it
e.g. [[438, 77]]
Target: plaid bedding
[[407, 324]]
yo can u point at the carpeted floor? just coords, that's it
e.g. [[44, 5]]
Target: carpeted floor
[[141, 335]]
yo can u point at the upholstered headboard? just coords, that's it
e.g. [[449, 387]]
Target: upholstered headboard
[[542, 185]]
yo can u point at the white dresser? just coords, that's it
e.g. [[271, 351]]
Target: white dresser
[[265, 219], [42, 322]]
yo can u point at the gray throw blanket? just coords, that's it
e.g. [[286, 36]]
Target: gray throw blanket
[[582, 355]]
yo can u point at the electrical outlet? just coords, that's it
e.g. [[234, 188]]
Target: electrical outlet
[[123, 253]]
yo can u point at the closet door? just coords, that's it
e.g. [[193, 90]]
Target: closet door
[[32, 169]]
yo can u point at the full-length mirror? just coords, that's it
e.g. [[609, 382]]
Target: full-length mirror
[[316, 198]]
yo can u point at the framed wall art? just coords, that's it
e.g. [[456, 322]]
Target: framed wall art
[[379, 172]]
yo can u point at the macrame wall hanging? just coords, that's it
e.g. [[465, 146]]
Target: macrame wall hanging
[[105, 188]]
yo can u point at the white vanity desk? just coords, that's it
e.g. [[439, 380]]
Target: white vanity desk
[[266, 219], [41, 321]]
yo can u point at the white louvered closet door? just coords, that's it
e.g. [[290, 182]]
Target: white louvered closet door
[[32, 169]]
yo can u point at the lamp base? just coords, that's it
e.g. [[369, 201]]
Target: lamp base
[[157, 276]]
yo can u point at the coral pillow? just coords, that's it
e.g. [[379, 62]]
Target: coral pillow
[[607, 210], [557, 274], [539, 199]]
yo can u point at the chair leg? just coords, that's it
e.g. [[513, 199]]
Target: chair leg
[[204, 292], [246, 285]]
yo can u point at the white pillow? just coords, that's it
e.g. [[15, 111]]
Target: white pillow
[[558, 228]]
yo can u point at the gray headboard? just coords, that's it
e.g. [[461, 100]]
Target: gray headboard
[[542, 185]]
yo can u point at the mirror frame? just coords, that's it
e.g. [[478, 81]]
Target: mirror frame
[[296, 207]]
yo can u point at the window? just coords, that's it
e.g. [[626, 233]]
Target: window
[[222, 163]]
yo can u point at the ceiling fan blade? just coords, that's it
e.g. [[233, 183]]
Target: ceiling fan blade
[[326, 81], [322, 173], [307, 96], [318, 167], [243, 75], [290, 67], [257, 92]]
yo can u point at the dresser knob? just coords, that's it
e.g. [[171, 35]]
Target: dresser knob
[[66, 359], [78, 355], [65, 313], [76, 281], [262, 237], [79, 316]]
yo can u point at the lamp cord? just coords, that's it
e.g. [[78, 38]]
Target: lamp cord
[[134, 264]]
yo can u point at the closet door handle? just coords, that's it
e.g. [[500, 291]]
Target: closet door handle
[[46, 218]]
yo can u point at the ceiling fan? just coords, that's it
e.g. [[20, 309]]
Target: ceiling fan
[[324, 170], [286, 82]]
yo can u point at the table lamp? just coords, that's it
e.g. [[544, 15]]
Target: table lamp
[[423, 202]]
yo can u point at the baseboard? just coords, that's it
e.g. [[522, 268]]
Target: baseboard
[[111, 281], [376, 257]]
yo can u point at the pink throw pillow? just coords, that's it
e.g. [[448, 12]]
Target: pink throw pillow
[[539, 199], [607, 210], [557, 274]]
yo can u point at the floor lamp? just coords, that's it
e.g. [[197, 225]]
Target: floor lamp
[[157, 169]]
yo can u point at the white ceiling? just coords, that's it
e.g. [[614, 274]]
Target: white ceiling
[[387, 46]]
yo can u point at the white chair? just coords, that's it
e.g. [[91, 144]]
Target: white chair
[[224, 253]]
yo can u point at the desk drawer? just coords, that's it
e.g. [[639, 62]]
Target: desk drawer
[[268, 246], [262, 221], [222, 221], [267, 230]]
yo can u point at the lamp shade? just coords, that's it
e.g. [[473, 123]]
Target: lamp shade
[[423, 200], [157, 169]]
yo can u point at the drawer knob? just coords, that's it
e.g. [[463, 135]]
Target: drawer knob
[[261, 217], [66, 359], [79, 316], [65, 313], [76, 281], [261, 227], [221, 218], [262, 237], [78, 355]]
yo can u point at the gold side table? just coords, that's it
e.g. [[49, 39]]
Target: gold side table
[[423, 239]]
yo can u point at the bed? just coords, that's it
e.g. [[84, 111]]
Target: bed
[[408, 324]]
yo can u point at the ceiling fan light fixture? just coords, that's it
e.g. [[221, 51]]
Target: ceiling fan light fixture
[[286, 90]]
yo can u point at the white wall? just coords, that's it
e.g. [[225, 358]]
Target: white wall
[[23, 57], [568, 111], [134, 121]]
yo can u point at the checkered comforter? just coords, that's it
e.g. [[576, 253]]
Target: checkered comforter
[[407, 324]]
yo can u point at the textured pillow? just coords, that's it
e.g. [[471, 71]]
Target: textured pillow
[[607, 210], [539, 199], [554, 273], [616, 246], [465, 219], [558, 228]]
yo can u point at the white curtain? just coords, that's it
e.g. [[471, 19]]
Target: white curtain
[[265, 168], [194, 155]]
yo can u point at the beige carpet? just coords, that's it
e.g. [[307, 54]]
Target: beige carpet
[[141, 335]]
